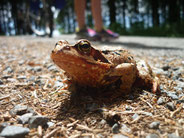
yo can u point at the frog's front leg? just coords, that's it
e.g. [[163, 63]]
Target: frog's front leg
[[127, 72]]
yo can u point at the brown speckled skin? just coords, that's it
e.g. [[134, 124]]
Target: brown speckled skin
[[97, 68]]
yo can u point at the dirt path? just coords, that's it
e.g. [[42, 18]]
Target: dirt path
[[30, 80]]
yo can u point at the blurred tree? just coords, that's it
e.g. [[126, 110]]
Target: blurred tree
[[112, 11], [130, 17]]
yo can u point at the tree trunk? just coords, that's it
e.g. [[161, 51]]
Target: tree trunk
[[155, 15], [124, 14], [174, 11], [112, 11]]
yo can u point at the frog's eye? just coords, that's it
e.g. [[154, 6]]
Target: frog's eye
[[84, 46]]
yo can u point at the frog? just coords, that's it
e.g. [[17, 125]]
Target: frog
[[88, 66]]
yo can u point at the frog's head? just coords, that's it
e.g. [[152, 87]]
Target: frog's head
[[81, 61]]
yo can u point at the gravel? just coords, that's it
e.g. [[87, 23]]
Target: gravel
[[35, 121], [14, 131], [33, 83]]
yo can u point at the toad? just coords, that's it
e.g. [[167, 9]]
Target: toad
[[88, 66]]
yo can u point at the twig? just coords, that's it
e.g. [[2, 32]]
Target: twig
[[51, 133], [84, 128], [71, 124], [5, 97], [176, 111]]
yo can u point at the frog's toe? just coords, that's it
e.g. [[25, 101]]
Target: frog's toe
[[156, 85]]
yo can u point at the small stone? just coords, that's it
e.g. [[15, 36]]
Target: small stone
[[115, 128], [181, 95], [180, 101], [135, 116], [127, 107], [35, 121], [58, 84], [161, 100], [14, 131], [21, 62], [152, 136], [37, 69], [102, 122], [124, 128], [52, 68], [20, 110], [50, 124], [6, 76], [159, 71], [172, 95], [32, 78], [119, 136], [170, 106], [180, 84], [11, 80], [1, 82], [3, 125], [8, 70], [21, 77], [176, 75], [24, 118], [173, 136], [154, 125], [165, 68]]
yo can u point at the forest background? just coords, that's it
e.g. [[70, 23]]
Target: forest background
[[126, 17]]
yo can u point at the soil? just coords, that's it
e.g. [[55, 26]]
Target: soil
[[29, 77]]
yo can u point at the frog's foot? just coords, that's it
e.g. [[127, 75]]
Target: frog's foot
[[146, 77]]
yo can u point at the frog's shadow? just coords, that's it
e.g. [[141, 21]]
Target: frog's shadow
[[81, 104]]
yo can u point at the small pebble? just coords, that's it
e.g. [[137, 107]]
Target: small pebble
[[21, 77], [32, 78], [161, 100], [11, 80], [52, 68], [152, 136], [135, 116], [35, 121], [37, 69], [21, 62], [8, 70], [58, 84], [115, 128], [154, 125], [119, 136], [165, 68], [14, 131], [6, 76], [172, 95], [102, 122], [1, 82], [50, 124], [3, 125], [20, 110], [173, 136], [24, 118], [124, 128], [170, 106], [127, 107]]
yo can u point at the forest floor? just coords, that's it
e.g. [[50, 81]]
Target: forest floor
[[33, 103]]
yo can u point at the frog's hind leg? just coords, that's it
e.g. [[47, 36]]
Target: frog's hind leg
[[146, 78]]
